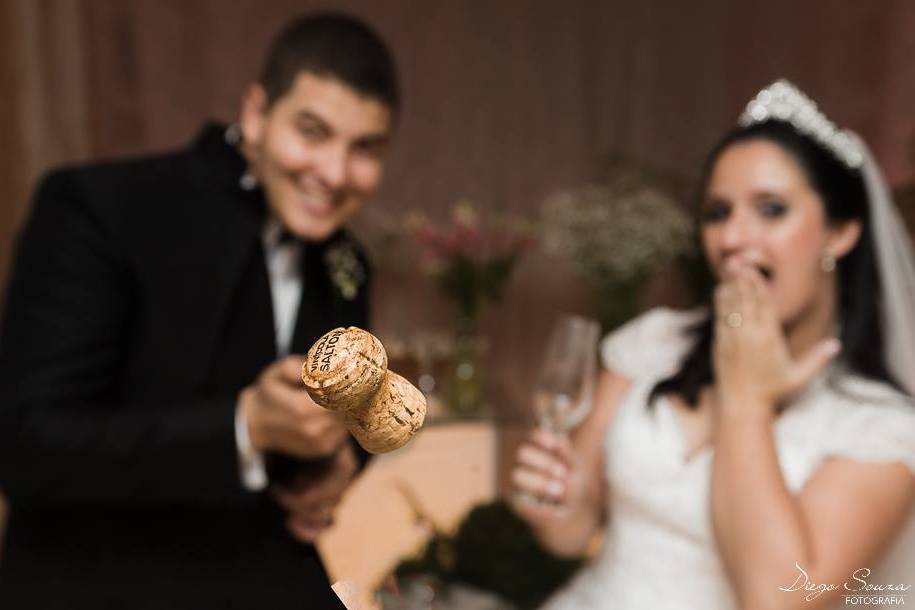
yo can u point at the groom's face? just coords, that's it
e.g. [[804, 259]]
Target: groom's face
[[318, 151]]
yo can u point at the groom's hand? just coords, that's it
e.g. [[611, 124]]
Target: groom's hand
[[282, 417], [310, 502]]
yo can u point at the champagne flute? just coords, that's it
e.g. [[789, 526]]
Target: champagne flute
[[564, 392]]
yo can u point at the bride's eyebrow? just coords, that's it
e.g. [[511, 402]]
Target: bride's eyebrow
[[713, 199], [767, 194]]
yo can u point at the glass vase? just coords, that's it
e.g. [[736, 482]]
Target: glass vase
[[464, 392]]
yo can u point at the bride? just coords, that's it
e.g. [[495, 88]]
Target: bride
[[761, 455]]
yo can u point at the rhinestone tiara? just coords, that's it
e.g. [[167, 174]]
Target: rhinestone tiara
[[782, 101]]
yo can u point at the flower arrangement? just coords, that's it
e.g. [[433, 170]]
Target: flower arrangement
[[470, 259], [616, 234]]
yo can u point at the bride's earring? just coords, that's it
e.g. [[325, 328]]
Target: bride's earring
[[828, 263]]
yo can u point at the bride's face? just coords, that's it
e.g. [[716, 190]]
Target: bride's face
[[760, 209]]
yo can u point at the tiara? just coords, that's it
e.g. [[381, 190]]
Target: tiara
[[782, 101]]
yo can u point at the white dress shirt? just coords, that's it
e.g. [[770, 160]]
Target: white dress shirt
[[285, 277]]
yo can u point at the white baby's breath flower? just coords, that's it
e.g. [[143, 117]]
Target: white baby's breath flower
[[615, 235]]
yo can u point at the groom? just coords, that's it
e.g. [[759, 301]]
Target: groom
[[155, 443]]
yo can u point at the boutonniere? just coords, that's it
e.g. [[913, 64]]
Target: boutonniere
[[345, 269]]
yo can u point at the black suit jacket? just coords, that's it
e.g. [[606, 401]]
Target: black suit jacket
[[138, 307]]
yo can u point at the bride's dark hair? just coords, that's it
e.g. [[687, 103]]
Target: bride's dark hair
[[844, 196]]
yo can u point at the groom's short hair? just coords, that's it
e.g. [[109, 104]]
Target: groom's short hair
[[334, 45]]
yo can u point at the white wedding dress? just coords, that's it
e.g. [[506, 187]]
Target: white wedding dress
[[659, 551]]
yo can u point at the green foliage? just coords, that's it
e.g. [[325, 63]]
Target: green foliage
[[495, 551], [470, 284]]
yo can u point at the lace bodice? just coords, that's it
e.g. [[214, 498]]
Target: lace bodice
[[659, 551]]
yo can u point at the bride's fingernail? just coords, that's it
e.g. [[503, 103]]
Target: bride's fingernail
[[555, 488]]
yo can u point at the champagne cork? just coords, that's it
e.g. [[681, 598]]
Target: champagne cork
[[346, 370], [395, 414]]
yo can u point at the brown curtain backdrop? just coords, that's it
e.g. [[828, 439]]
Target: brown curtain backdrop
[[508, 99], [504, 102], [42, 106]]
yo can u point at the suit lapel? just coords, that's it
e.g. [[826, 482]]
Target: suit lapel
[[322, 307], [216, 240]]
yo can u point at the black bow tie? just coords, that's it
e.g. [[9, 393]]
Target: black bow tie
[[286, 238]]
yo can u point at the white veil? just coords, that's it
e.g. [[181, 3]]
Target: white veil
[[896, 265]]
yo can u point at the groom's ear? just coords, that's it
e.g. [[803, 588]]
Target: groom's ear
[[843, 237], [253, 111]]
